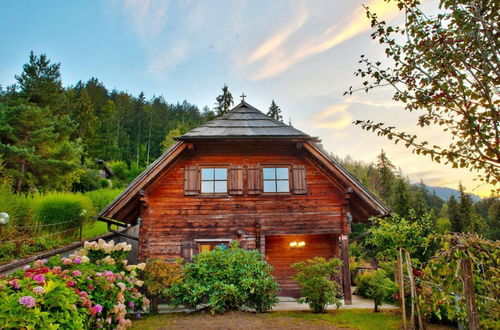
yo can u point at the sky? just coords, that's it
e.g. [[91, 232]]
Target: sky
[[302, 54]]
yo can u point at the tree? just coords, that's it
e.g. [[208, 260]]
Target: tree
[[84, 115], [447, 69], [454, 215], [224, 101], [169, 139], [275, 112], [37, 154], [40, 82], [401, 198], [387, 177]]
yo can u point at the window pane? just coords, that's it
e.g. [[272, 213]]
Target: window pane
[[270, 186], [269, 173], [283, 186], [220, 186], [207, 186], [207, 173], [221, 174], [282, 173], [203, 248]]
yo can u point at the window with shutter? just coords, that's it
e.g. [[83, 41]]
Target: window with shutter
[[299, 180], [276, 180], [213, 180], [254, 179], [191, 180], [236, 180]]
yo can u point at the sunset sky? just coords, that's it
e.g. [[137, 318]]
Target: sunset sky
[[302, 54]]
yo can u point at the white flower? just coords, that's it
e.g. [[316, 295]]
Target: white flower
[[125, 262], [141, 266], [139, 283], [84, 259]]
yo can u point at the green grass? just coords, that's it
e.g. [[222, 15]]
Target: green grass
[[349, 318], [93, 229], [345, 318]]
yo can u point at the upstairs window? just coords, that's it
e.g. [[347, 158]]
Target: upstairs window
[[214, 180], [276, 179]]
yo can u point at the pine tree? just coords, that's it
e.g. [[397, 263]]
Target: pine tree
[[387, 177], [36, 152], [275, 112], [454, 215], [401, 199], [84, 116], [224, 101], [40, 82]]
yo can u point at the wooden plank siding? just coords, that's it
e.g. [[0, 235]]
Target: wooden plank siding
[[280, 255], [170, 218]]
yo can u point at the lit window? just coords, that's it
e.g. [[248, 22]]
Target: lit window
[[276, 180], [213, 180]]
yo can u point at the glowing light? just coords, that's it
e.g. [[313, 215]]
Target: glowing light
[[293, 244], [301, 244], [296, 244]]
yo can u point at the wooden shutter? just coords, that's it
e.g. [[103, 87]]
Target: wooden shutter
[[191, 180], [254, 178], [235, 180], [299, 183], [188, 250]]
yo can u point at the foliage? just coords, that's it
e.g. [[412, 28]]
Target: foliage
[[159, 275], [224, 101], [275, 111], [446, 291], [446, 68], [79, 292], [169, 139], [89, 180], [102, 197], [375, 284], [66, 208], [391, 233], [317, 288], [227, 279]]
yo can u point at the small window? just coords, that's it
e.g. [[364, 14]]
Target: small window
[[207, 247], [276, 179], [214, 180]]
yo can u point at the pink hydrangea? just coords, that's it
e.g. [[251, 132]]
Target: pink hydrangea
[[98, 308], [66, 261], [70, 284], [121, 286], [77, 260], [76, 273], [57, 270], [131, 304], [14, 283], [39, 290], [27, 301], [39, 278]]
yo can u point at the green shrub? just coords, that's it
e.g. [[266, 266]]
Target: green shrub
[[158, 276], [65, 208], [102, 197], [120, 170], [317, 288], [17, 206], [88, 181], [375, 285], [227, 279]]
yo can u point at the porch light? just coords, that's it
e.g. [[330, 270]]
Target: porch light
[[296, 244]]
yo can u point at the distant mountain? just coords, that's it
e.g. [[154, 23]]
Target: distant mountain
[[446, 193]]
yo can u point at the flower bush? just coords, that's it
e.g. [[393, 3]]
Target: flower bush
[[93, 288], [226, 279], [376, 285]]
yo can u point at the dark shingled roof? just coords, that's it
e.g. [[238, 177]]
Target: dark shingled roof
[[244, 121]]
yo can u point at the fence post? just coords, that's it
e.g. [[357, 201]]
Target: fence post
[[470, 301], [81, 228], [414, 297], [401, 282]]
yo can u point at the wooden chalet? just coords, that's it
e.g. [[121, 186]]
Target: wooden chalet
[[249, 178]]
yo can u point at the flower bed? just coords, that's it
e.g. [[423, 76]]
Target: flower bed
[[93, 288]]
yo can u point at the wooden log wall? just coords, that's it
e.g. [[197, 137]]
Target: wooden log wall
[[170, 218]]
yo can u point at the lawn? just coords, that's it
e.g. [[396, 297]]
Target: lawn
[[94, 229], [352, 319], [339, 319]]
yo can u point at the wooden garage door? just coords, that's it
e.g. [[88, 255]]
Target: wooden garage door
[[280, 255]]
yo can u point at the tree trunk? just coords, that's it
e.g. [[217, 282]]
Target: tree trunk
[[472, 317]]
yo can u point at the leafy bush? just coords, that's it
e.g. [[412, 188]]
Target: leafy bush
[[158, 276], [120, 171], [88, 181], [69, 208], [317, 288], [83, 291], [102, 197], [227, 279], [17, 206], [375, 284]]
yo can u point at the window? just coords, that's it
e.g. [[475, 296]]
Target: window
[[207, 245], [276, 179], [214, 180]]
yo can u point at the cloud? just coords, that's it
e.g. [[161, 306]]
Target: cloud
[[333, 117], [276, 40], [163, 62], [278, 56], [147, 17]]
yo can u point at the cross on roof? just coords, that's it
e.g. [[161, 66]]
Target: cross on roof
[[243, 97]]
